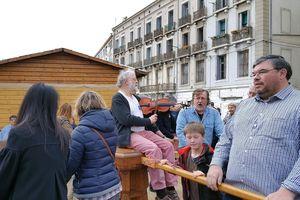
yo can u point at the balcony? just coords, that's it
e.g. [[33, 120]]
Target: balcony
[[221, 5], [199, 47], [159, 87], [170, 27], [157, 59], [199, 14], [220, 40], [242, 34], [138, 42], [184, 51], [169, 56], [237, 2], [184, 21], [116, 51], [130, 45], [148, 37], [158, 32], [148, 61], [138, 64], [122, 49]]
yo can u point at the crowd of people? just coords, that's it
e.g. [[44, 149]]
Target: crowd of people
[[256, 147]]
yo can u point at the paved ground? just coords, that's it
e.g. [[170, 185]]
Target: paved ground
[[152, 195]]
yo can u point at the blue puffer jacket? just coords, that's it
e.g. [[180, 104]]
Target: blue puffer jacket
[[95, 173]]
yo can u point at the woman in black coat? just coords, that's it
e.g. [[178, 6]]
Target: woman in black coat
[[33, 164]]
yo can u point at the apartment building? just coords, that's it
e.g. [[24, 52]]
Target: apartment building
[[189, 44]]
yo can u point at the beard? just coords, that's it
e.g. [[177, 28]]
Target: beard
[[133, 88]]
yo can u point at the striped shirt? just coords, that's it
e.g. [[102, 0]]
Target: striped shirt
[[262, 144]]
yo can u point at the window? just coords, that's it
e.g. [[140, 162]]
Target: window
[[138, 56], [200, 4], [200, 35], [222, 27], [139, 32], [185, 9], [243, 69], [170, 75], [158, 23], [148, 27], [184, 73], [169, 46], [122, 61], [117, 43], [185, 39], [170, 17], [130, 58], [131, 36], [199, 71], [158, 49], [243, 19], [122, 40], [148, 53], [221, 67]]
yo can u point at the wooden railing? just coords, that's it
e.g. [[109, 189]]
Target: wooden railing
[[229, 189]]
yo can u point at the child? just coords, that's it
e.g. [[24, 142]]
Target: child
[[196, 157]]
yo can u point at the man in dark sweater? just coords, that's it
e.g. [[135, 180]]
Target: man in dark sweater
[[131, 126]]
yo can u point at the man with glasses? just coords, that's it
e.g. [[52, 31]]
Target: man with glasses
[[201, 113], [262, 141]]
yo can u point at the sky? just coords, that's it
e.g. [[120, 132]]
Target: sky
[[32, 26]]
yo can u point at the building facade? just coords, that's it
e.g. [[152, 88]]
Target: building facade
[[189, 44]]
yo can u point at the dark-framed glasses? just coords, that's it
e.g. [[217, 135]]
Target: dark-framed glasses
[[262, 72]]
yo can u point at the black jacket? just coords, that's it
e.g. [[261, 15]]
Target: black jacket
[[32, 166], [121, 111]]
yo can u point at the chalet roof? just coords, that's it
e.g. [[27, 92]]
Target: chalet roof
[[139, 73]]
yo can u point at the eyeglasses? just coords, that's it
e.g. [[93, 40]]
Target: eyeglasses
[[262, 72]]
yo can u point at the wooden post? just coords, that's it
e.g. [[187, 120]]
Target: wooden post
[[133, 174]]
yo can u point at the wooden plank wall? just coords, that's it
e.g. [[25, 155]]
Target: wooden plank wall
[[69, 74], [58, 68], [11, 96]]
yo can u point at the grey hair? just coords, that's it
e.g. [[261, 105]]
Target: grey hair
[[123, 76], [278, 63]]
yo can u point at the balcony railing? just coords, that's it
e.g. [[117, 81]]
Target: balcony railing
[[157, 59], [116, 50], [130, 45], [240, 1], [220, 4], [137, 64], [199, 14], [184, 51], [199, 46], [220, 40], [148, 61], [184, 20], [170, 27], [169, 56], [148, 36], [243, 33], [158, 32], [138, 42], [122, 48], [159, 87]]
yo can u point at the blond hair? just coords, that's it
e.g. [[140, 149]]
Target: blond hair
[[87, 101], [194, 127]]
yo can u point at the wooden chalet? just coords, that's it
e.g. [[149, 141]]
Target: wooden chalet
[[68, 71]]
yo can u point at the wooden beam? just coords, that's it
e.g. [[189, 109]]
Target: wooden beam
[[229, 189]]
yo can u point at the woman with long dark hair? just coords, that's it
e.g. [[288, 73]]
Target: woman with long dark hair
[[33, 164]]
